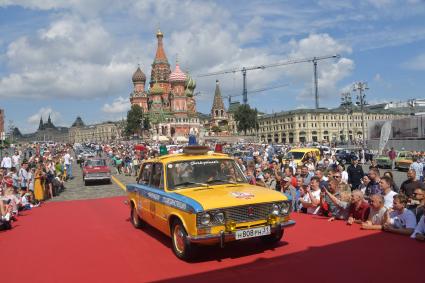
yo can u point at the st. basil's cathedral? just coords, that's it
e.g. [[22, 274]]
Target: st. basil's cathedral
[[169, 102]]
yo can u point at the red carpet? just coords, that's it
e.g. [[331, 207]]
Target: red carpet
[[93, 241]]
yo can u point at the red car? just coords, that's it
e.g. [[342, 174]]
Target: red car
[[96, 169]]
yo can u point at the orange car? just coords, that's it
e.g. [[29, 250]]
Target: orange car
[[404, 160]]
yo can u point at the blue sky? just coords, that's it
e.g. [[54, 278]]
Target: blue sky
[[73, 58]]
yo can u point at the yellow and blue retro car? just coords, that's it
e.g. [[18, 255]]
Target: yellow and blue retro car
[[200, 197]]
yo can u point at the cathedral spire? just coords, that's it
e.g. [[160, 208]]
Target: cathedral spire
[[40, 126], [160, 56], [160, 67], [218, 100]]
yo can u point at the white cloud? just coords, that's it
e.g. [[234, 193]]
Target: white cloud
[[71, 58], [44, 113], [416, 63], [119, 105], [330, 71], [84, 7]]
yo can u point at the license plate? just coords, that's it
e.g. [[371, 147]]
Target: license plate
[[253, 232]]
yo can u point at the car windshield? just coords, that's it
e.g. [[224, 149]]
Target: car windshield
[[295, 154], [204, 172], [98, 162]]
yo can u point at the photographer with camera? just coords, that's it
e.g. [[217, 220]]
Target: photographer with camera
[[311, 199], [335, 202]]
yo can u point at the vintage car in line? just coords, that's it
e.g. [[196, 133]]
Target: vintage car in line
[[384, 161], [95, 170], [200, 197], [404, 161]]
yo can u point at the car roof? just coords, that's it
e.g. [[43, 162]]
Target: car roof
[[184, 156], [304, 149]]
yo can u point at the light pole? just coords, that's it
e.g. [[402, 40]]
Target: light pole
[[361, 87], [347, 104]]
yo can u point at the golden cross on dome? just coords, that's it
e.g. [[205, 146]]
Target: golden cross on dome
[[159, 30]]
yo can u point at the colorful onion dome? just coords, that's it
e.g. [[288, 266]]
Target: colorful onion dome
[[190, 82], [177, 75], [138, 76], [156, 89]]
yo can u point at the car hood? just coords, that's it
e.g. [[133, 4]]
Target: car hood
[[382, 158], [220, 196]]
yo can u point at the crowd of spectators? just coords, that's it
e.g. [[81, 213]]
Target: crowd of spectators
[[31, 175], [322, 186], [325, 187]]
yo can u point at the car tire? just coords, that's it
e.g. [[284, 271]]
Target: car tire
[[273, 238], [86, 183], [343, 161], [182, 247], [134, 217]]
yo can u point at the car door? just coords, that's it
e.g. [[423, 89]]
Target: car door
[[157, 208], [143, 201]]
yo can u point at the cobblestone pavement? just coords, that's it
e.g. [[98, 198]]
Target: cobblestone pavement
[[75, 188]]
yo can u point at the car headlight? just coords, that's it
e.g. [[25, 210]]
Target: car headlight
[[205, 219], [219, 217], [284, 208], [275, 209]]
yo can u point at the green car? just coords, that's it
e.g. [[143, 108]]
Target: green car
[[383, 161]]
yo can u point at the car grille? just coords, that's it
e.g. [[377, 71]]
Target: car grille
[[247, 213], [241, 214], [97, 174]]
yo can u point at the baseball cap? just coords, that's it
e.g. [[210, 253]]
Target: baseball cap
[[8, 182], [287, 179]]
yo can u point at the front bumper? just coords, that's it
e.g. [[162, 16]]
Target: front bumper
[[97, 178], [383, 162], [223, 236]]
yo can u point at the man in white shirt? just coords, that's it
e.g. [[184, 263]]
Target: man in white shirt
[[311, 200], [400, 220], [15, 160], [387, 192], [68, 165], [419, 168], [6, 162]]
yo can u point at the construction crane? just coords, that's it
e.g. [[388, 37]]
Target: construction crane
[[229, 97], [314, 60]]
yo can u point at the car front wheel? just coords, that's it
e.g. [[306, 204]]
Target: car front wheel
[[135, 219], [182, 247]]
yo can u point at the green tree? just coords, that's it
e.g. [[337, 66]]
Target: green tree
[[134, 120], [146, 123], [215, 129], [246, 118]]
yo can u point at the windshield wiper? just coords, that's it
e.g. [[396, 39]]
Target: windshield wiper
[[190, 183], [220, 180]]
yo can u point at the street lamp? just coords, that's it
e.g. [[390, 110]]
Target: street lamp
[[361, 87], [347, 104]]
